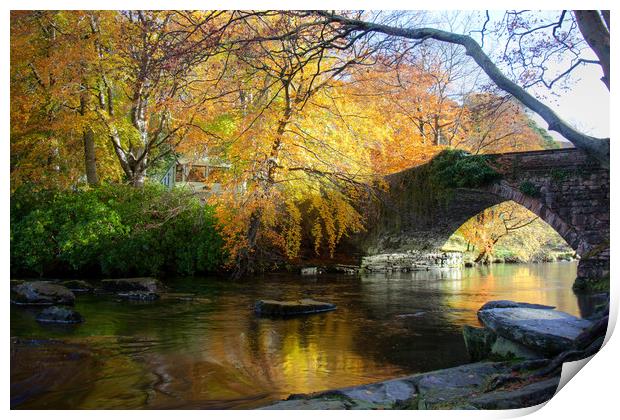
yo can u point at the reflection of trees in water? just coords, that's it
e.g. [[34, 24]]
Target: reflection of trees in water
[[549, 284], [236, 356], [86, 374], [413, 328]]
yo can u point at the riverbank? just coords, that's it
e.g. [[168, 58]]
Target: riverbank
[[463, 387]]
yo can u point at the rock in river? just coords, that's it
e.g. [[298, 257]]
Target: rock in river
[[544, 331], [59, 315], [79, 286], [41, 293], [479, 342], [291, 307], [494, 304], [145, 284], [138, 295]]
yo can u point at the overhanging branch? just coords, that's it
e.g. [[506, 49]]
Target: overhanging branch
[[596, 147]]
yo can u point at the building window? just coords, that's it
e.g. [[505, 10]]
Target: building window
[[197, 173]]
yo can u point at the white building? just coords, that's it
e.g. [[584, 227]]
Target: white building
[[204, 176]]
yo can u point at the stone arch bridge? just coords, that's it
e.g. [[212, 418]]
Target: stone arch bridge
[[565, 187]]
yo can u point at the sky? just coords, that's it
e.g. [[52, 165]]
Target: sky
[[585, 105]]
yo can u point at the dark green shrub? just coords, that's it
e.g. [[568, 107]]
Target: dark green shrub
[[458, 169], [528, 188], [559, 175], [113, 230]]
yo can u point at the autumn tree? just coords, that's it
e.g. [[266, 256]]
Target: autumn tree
[[498, 123], [157, 72], [296, 148], [52, 130], [136, 83], [488, 227], [593, 27]]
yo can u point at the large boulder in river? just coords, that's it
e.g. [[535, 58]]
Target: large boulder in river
[[59, 315], [507, 349], [144, 284], [41, 293], [291, 307], [494, 304], [77, 286], [544, 331], [479, 342]]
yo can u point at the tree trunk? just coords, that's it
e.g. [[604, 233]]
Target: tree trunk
[[88, 135], [596, 34], [246, 260], [90, 159], [138, 175], [484, 257]]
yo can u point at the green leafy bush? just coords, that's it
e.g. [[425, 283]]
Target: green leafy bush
[[528, 188], [112, 230], [458, 169]]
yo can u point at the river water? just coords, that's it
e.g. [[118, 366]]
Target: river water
[[213, 352]]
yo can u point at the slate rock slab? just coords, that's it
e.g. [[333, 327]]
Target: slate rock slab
[[543, 330], [291, 307], [79, 286], [41, 293], [59, 315], [494, 304], [383, 393], [310, 404], [527, 396], [144, 284], [445, 386]]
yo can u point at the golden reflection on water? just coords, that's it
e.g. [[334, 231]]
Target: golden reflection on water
[[521, 283], [299, 357]]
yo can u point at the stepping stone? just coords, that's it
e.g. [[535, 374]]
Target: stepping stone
[[79, 286], [59, 315], [543, 330], [41, 293], [144, 284], [291, 307], [138, 295]]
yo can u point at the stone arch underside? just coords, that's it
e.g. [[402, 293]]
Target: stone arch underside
[[402, 228]]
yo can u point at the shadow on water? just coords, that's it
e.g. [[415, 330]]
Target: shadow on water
[[213, 352]]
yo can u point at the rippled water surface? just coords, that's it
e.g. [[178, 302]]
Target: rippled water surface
[[213, 352]]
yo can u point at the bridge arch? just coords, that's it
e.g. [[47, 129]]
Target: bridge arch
[[536, 206], [565, 188]]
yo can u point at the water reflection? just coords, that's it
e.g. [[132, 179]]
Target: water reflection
[[215, 353]]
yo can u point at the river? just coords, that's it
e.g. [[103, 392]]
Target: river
[[213, 352]]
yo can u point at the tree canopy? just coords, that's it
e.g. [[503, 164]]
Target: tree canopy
[[309, 109]]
